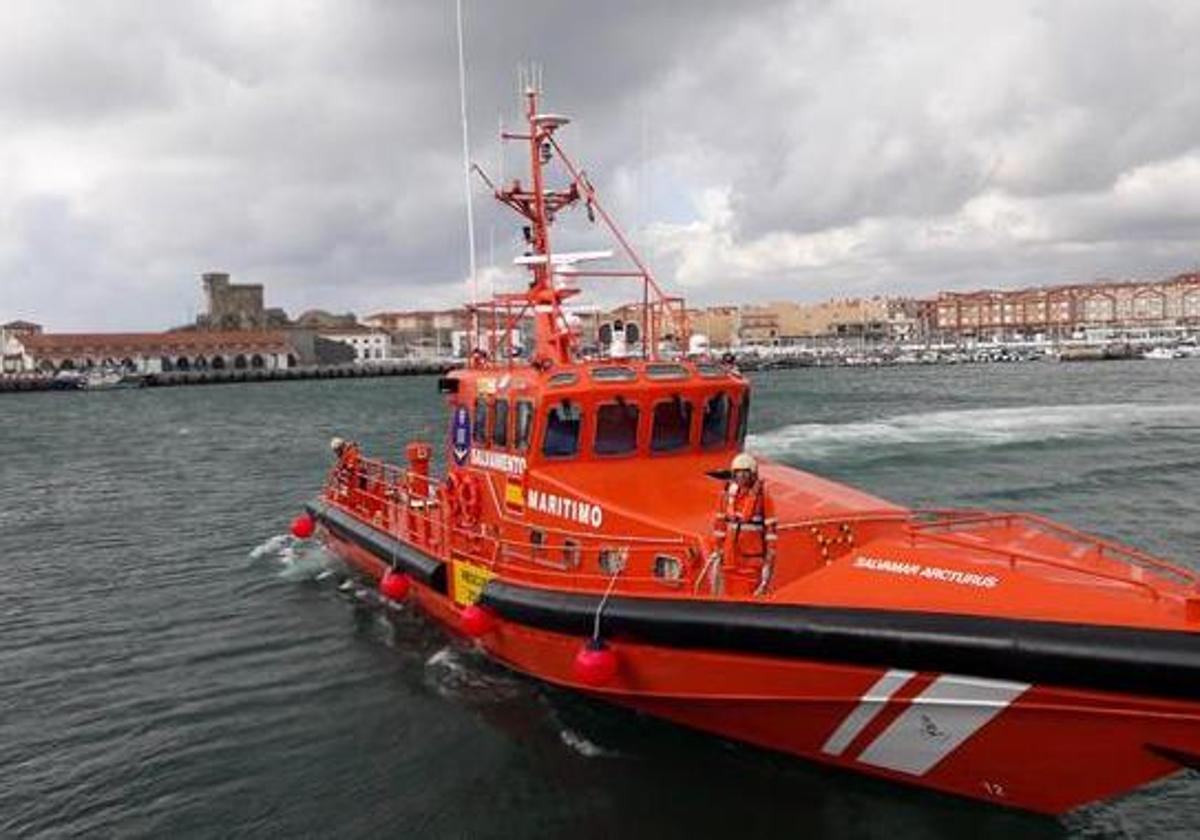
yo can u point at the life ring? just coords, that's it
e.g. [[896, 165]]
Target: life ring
[[467, 498]]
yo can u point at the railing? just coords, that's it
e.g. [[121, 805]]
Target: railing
[[1095, 548], [382, 493]]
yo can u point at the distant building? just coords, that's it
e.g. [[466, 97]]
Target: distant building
[[12, 352], [1057, 311], [719, 324], [319, 319], [369, 344], [155, 352], [421, 332], [236, 306], [862, 319], [760, 325]]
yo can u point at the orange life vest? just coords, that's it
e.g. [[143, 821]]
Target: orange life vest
[[745, 524]]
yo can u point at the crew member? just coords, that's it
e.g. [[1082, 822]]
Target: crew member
[[348, 455], [746, 528]]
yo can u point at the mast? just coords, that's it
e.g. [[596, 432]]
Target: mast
[[545, 300], [539, 204], [552, 342]]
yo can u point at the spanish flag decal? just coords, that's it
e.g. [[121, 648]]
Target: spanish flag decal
[[514, 496]]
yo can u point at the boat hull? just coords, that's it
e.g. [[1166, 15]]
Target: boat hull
[[1014, 743]]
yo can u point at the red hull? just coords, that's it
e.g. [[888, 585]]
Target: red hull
[[1036, 748]]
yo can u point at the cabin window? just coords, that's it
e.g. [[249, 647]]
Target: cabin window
[[616, 428], [666, 371], [563, 421], [570, 554], [524, 429], [710, 370], [714, 427], [560, 380], [481, 421], [614, 374], [743, 419], [500, 425], [667, 567], [612, 560], [672, 424], [537, 543]]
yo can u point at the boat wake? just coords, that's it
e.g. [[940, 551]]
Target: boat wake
[[581, 745], [271, 547], [464, 675], [972, 429], [293, 559]]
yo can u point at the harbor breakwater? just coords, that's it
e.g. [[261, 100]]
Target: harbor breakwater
[[12, 384]]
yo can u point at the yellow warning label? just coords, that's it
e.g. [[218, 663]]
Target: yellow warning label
[[468, 581]]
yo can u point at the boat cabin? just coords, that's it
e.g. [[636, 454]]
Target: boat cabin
[[598, 412]]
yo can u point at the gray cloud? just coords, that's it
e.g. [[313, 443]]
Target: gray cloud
[[756, 150]]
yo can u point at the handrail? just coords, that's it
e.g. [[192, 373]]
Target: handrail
[[1101, 546], [1015, 555], [363, 499], [931, 524]]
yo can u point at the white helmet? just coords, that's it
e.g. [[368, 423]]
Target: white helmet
[[336, 444], [744, 461]]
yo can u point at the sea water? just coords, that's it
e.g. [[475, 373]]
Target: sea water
[[173, 664]]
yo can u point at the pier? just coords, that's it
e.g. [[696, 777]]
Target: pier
[[408, 367]]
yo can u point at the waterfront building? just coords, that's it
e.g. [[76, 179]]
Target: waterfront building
[[1171, 305], [11, 350], [370, 344], [785, 323], [719, 324], [322, 321], [421, 333], [155, 352]]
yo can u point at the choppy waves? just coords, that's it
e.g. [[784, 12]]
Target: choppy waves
[[972, 429]]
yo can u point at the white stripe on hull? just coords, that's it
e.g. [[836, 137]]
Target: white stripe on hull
[[939, 720], [871, 704]]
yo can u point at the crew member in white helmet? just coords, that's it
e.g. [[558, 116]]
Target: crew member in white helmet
[[746, 528]]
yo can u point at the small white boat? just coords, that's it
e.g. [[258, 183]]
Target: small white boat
[[1160, 353], [110, 379]]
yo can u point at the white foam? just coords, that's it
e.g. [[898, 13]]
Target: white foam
[[972, 428], [468, 675], [273, 546], [583, 746], [445, 658], [295, 560]]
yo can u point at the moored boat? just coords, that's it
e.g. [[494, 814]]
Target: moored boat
[[111, 379], [599, 526]]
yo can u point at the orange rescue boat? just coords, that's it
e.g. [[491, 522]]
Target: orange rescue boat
[[589, 531]]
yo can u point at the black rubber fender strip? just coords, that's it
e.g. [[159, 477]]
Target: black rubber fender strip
[[1180, 757], [425, 569], [1153, 663]]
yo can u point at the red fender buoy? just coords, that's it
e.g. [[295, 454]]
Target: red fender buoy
[[477, 621], [596, 664], [394, 585], [303, 526]]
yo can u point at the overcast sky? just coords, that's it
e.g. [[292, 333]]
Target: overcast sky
[[756, 151]]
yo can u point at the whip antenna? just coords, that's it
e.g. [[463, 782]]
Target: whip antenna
[[462, 101]]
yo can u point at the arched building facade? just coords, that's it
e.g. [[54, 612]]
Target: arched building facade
[[157, 352]]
